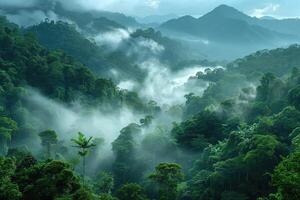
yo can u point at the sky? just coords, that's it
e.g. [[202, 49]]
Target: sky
[[276, 8]]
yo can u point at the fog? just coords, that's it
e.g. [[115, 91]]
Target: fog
[[168, 87], [161, 84], [26, 18], [67, 121], [112, 39]]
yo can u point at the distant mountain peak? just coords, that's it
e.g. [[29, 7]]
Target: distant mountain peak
[[227, 11], [224, 7]]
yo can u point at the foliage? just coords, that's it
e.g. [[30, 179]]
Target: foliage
[[104, 183], [131, 191], [167, 176], [197, 133], [46, 180], [286, 177], [238, 141], [7, 128], [278, 61], [126, 167], [8, 189], [83, 144], [63, 36], [48, 138]]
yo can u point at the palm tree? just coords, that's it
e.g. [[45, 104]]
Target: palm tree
[[83, 144]]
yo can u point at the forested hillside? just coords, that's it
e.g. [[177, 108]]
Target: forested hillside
[[183, 129], [65, 37]]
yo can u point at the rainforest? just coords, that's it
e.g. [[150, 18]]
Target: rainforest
[[149, 100]]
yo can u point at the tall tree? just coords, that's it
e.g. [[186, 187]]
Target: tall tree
[[8, 189], [48, 138], [131, 191], [7, 128], [167, 176], [83, 144], [286, 177], [104, 183]]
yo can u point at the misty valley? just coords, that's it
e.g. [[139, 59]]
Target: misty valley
[[99, 104]]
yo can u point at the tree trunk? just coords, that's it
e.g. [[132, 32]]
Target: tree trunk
[[83, 169], [48, 151]]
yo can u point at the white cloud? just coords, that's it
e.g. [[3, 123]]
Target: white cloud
[[153, 3], [151, 45], [18, 3], [67, 121], [267, 10], [113, 38], [28, 18], [131, 6], [167, 87]]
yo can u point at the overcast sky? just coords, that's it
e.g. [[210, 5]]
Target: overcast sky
[[277, 8]]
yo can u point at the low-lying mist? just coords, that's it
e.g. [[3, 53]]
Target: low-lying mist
[[165, 86], [68, 120]]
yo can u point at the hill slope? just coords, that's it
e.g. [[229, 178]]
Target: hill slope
[[227, 33], [224, 24]]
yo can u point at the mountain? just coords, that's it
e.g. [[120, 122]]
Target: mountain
[[227, 33], [165, 49], [101, 25], [63, 36], [277, 61], [156, 19], [54, 10], [82, 18], [285, 26], [24, 63], [224, 24]]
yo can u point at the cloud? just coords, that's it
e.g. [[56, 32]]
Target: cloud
[[27, 18], [153, 46], [288, 8], [18, 3], [153, 3], [167, 87], [67, 121], [127, 85], [267, 10], [113, 38]]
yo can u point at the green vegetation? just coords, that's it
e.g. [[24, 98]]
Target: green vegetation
[[48, 139], [239, 140], [83, 144], [167, 176], [63, 36]]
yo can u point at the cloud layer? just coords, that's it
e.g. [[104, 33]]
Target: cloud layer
[[281, 8]]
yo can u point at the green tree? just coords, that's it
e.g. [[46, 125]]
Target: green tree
[[7, 128], [48, 138], [104, 183], [106, 197], [8, 189], [146, 121], [264, 89], [131, 191], [198, 132], [294, 97], [83, 194], [167, 176], [83, 144], [46, 180], [286, 177], [126, 167]]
